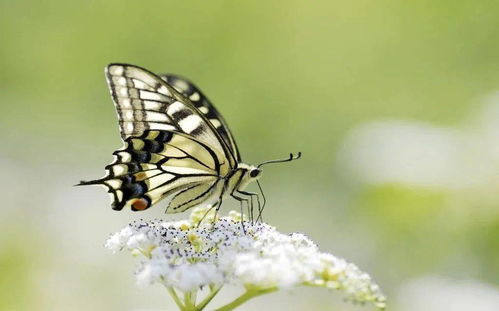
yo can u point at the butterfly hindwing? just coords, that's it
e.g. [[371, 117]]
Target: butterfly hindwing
[[160, 164], [193, 195], [203, 104], [146, 102]]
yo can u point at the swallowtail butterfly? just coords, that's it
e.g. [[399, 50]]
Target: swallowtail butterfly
[[177, 146]]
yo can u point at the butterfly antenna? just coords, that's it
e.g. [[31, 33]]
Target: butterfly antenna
[[291, 158]]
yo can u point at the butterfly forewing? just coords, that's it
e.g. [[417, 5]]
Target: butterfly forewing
[[144, 101], [203, 104]]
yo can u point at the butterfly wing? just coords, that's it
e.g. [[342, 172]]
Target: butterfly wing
[[203, 104], [162, 164], [146, 102]]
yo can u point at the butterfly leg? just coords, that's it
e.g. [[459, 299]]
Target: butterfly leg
[[251, 195], [217, 204], [249, 203], [261, 207], [241, 202]]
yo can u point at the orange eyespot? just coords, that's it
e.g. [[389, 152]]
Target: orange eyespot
[[140, 204], [140, 176]]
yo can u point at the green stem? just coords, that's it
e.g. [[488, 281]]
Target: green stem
[[189, 305], [209, 297], [175, 297], [250, 293], [194, 296]]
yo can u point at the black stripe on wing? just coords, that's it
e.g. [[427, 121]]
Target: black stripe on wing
[[203, 104]]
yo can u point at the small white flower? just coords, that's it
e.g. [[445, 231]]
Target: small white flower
[[189, 255], [118, 240]]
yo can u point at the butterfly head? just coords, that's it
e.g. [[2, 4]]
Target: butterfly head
[[249, 174], [254, 172]]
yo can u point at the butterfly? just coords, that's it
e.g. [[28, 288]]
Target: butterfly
[[177, 146]]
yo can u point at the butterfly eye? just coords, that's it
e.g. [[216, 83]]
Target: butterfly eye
[[254, 173]]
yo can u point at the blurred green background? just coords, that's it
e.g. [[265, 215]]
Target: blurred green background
[[393, 104]]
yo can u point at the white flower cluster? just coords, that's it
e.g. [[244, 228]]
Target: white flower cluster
[[188, 255]]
